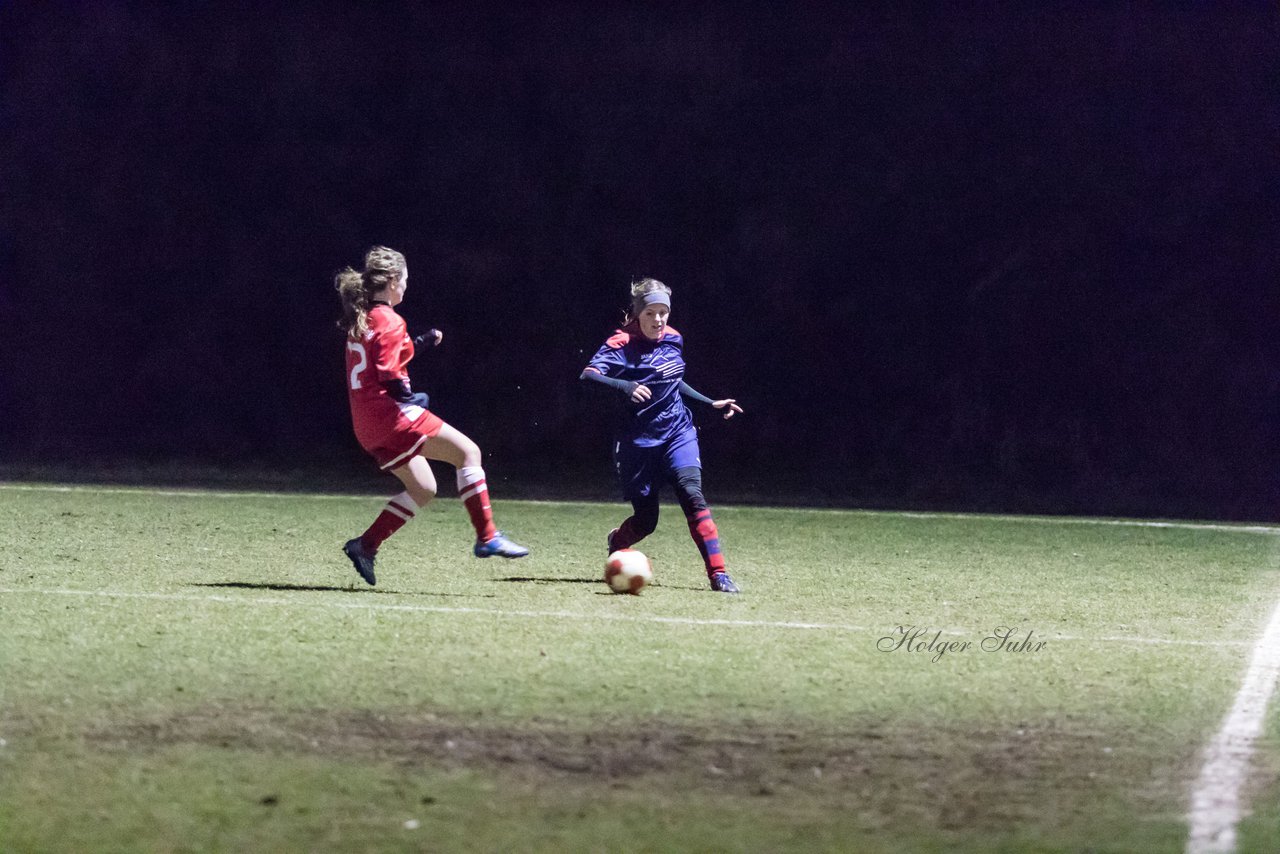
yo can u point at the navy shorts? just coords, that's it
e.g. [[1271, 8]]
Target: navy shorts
[[641, 470]]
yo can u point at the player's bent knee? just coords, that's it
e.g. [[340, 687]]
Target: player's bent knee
[[689, 490], [470, 451]]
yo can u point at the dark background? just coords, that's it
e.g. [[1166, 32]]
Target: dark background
[[999, 256]]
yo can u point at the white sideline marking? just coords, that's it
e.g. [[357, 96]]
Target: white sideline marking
[[1216, 805], [574, 615], [430, 609], [907, 514]]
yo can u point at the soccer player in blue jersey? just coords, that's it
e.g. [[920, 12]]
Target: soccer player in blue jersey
[[656, 441]]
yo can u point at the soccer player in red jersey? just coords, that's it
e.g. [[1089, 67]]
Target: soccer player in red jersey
[[656, 440], [393, 423]]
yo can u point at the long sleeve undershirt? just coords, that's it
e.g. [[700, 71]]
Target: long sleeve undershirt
[[627, 387]]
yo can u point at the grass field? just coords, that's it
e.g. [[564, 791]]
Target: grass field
[[186, 671]]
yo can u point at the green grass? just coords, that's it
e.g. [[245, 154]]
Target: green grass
[[202, 672]]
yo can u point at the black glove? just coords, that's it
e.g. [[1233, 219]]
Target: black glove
[[427, 339], [401, 393]]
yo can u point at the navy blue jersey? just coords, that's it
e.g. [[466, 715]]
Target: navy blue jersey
[[629, 356]]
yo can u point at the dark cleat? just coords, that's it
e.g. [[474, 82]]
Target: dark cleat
[[609, 540], [500, 546], [722, 583], [361, 559]]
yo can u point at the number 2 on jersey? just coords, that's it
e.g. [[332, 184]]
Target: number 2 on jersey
[[357, 348]]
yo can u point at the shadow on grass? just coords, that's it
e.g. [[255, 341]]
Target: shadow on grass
[[529, 579], [322, 588]]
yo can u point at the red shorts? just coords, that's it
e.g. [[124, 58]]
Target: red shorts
[[396, 449]]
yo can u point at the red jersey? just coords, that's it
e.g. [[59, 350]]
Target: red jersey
[[383, 354]]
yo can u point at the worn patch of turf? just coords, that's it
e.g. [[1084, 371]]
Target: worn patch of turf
[[205, 672]]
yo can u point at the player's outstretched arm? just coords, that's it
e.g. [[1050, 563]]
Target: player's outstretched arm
[[728, 404], [635, 391]]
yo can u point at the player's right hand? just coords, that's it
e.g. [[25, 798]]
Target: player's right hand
[[640, 393]]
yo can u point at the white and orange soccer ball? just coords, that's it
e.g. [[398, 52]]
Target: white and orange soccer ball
[[627, 571]]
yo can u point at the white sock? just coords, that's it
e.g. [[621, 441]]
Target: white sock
[[467, 476], [403, 506]]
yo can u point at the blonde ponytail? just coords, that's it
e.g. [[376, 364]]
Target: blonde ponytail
[[382, 267], [355, 303]]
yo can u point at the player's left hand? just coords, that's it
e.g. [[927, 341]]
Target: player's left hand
[[729, 405], [430, 338]]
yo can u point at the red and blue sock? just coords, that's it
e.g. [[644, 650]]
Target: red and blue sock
[[703, 530]]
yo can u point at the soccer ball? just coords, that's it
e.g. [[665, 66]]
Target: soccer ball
[[627, 571]]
